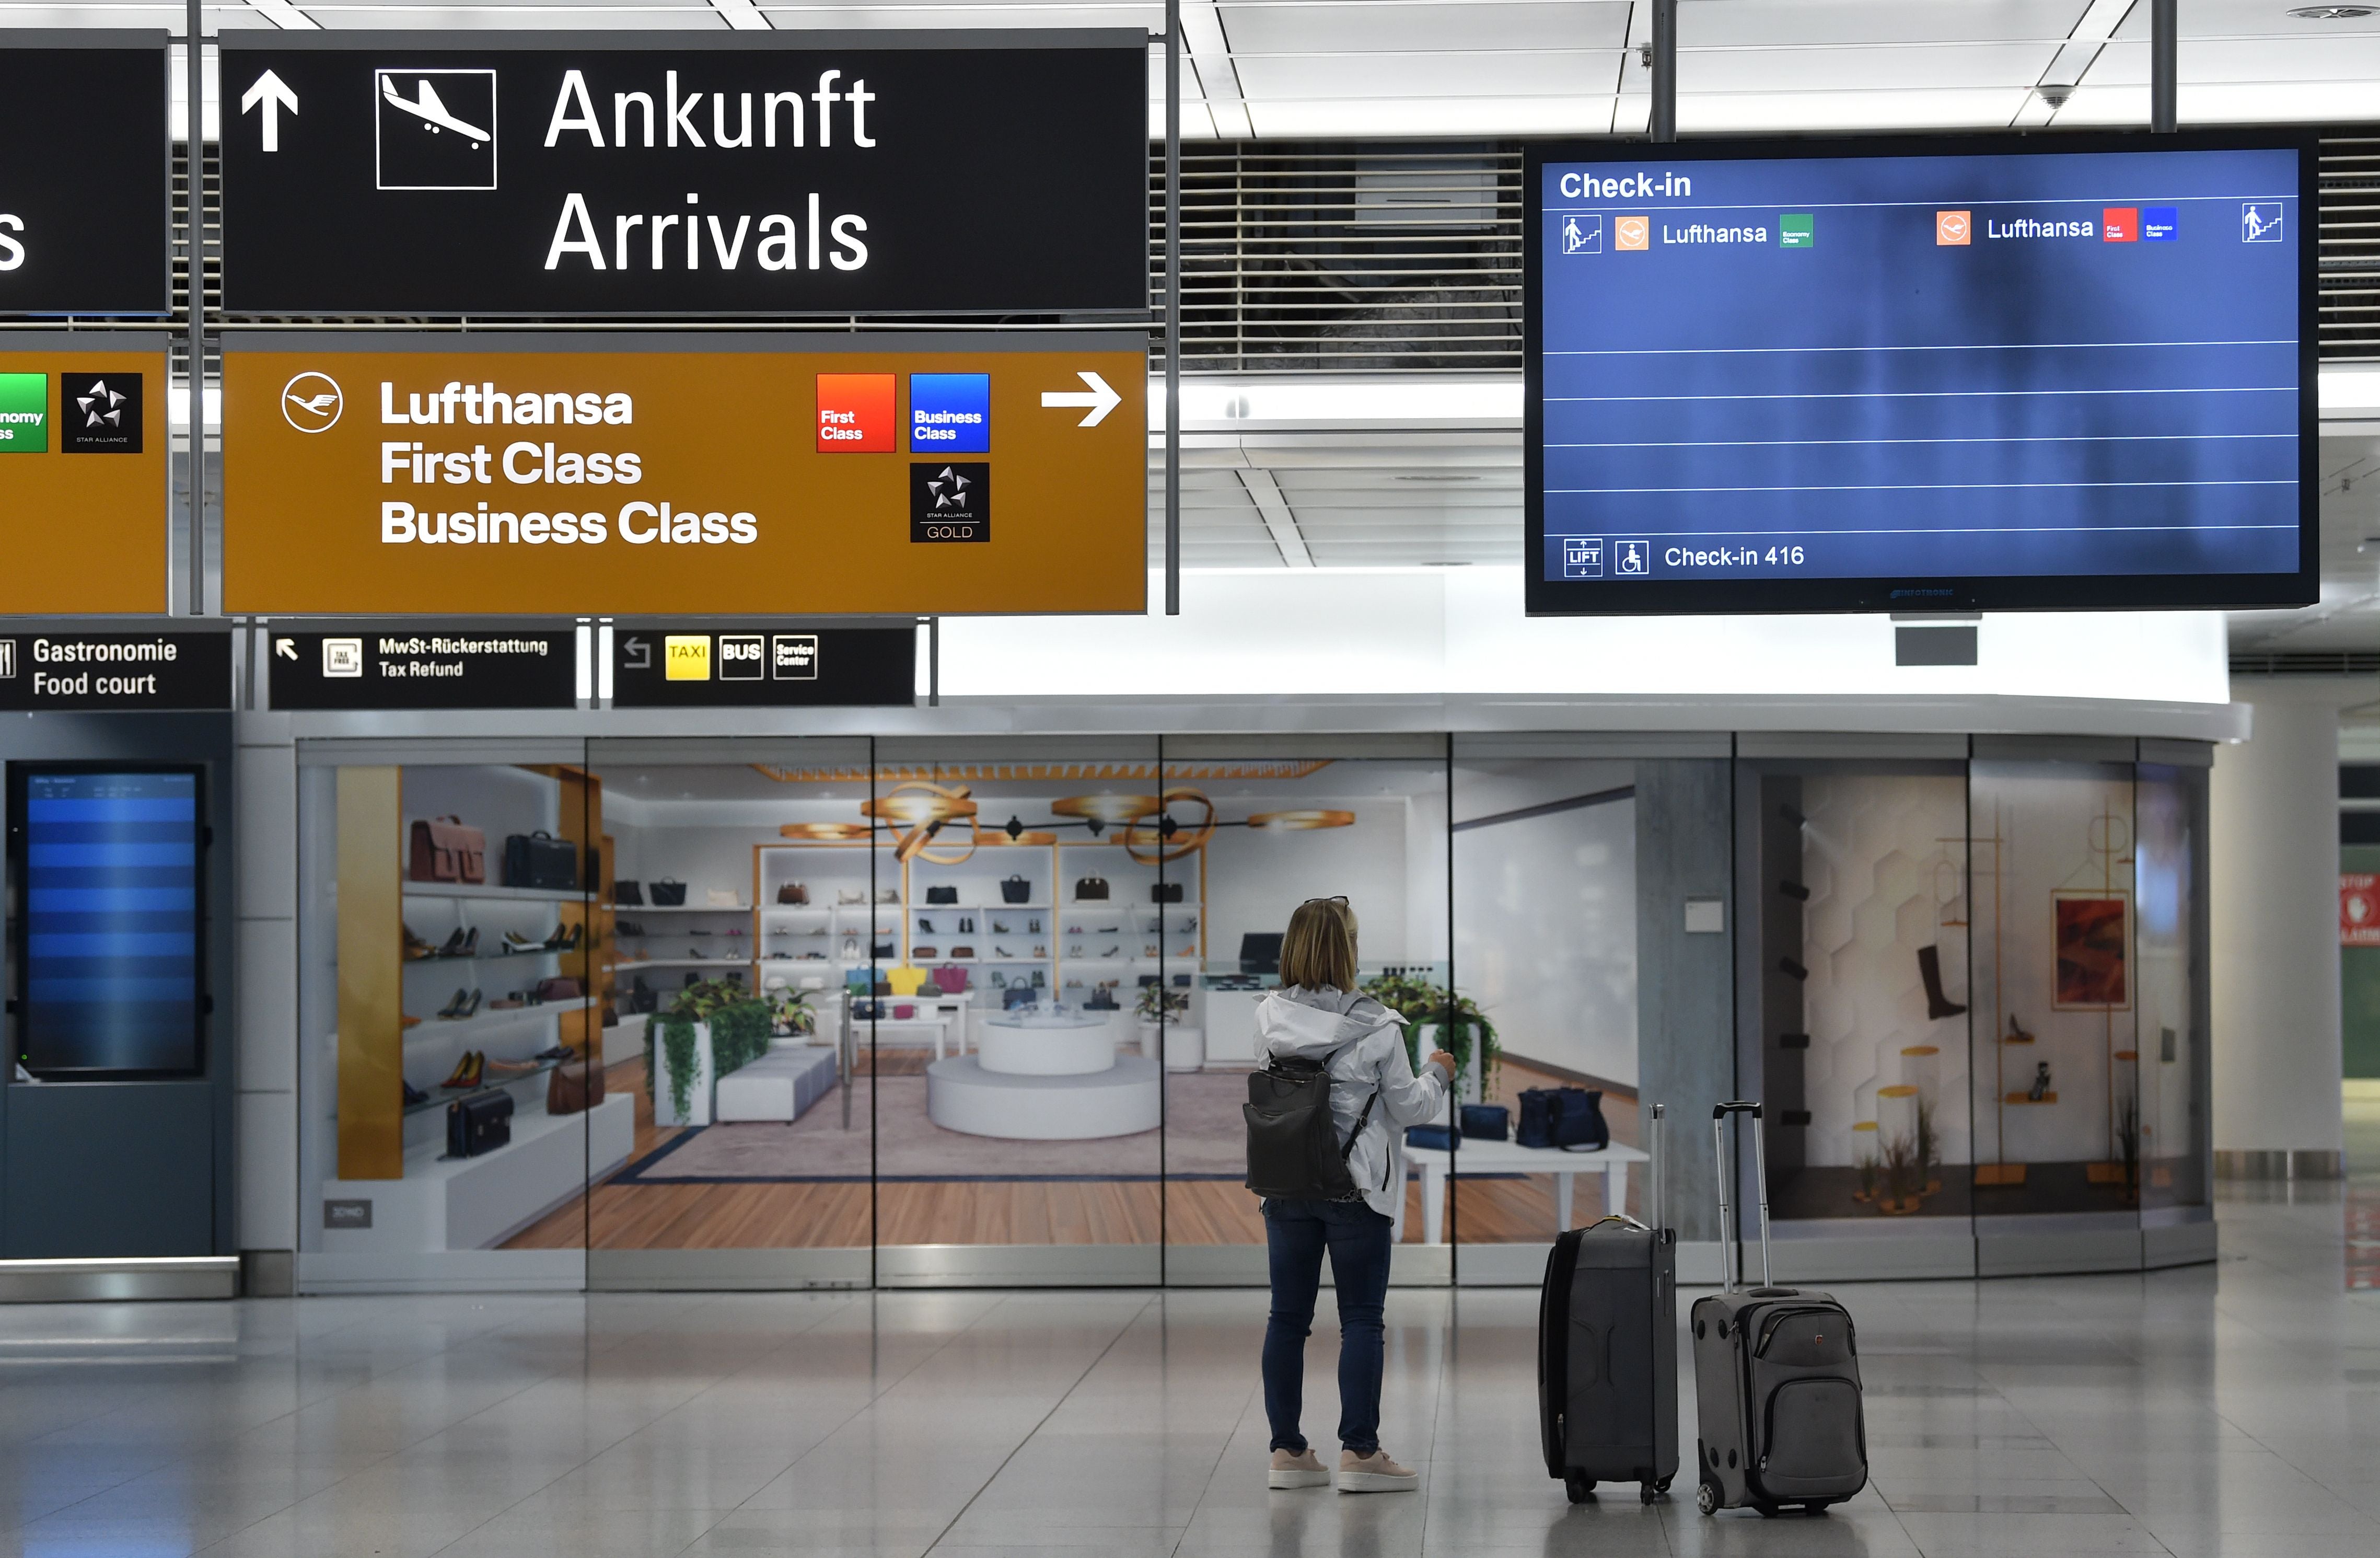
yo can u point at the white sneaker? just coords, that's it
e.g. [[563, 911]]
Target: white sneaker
[[1302, 1469], [1375, 1473]]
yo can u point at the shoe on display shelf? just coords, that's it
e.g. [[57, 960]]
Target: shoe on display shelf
[[413, 1095], [452, 945], [415, 948]]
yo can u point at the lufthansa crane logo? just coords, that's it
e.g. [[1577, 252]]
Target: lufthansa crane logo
[[311, 402]]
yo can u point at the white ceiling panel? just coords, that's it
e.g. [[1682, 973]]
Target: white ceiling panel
[[1424, 116], [961, 13], [1476, 74], [2244, 18], [1916, 108], [527, 16], [1706, 23], [1898, 68], [1339, 27], [2244, 103], [2346, 57]]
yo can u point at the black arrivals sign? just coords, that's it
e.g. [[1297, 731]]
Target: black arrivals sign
[[84, 181], [40, 672], [411, 666], [759, 666], [675, 173]]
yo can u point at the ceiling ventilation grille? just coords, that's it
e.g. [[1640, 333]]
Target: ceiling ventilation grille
[[2349, 237], [1317, 257], [2308, 662]]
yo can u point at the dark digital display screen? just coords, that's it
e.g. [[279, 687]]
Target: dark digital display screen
[[2066, 370], [109, 920]]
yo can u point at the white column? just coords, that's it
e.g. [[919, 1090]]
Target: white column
[[2273, 841]]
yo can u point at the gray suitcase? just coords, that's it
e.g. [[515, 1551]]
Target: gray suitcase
[[1607, 1351], [1777, 1380]]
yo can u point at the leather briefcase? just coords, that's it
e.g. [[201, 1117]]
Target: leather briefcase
[[444, 849], [561, 987], [540, 860], [477, 1125], [574, 1087]]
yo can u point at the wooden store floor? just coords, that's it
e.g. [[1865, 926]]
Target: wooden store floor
[[810, 1216]]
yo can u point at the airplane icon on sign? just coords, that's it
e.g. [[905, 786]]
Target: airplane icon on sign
[[426, 108]]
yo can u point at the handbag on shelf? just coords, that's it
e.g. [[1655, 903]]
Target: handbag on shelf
[[668, 892], [1485, 1122], [941, 894], [793, 893], [560, 987], [627, 895], [888, 894], [1164, 892], [643, 997], [1091, 889], [540, 860], [1437, 1138], [478, 1125], [952, 977], [924, 952], [849, 896], [879, 951], [905, 979], [575, 1085], [962, 952], [447, 849], [721, 897], [1016, 995], [1015, 890]]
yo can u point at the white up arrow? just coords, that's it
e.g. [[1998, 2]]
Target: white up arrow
[[273, 94], [1098, 397]]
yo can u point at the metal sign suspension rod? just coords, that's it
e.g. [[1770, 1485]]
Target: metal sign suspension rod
[[2163, 115], [1173, 307], [1664, 122], [194, 23]]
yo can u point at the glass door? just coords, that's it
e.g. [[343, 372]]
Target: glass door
[[745, 911]]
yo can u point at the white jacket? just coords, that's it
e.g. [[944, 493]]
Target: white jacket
[[1365, 1046]]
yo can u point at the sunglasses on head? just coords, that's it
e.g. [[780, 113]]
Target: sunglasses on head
[[1334, 898]]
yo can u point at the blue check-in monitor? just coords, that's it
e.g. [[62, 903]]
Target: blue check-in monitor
[[2046, 371]]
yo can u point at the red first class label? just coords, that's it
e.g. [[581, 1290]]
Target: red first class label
[[855, 414]]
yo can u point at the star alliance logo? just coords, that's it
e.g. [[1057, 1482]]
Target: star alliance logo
[[101, 413], [949, 502]]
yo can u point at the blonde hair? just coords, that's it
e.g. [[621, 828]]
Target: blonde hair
[[1319, 951]]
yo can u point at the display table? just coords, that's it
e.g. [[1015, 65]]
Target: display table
[[1045, 1075], [1505, 1157]]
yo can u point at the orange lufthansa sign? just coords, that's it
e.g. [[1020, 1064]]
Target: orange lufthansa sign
[[653, 474], [82, 475]]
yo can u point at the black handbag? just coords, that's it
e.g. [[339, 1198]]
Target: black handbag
[[1091, 889], [1016, 995], [1164, 892], [540, 860], [1015, 890], [1485, 1122], [475, 1126], [643, 997], [668, 894], [1562, 1117], [627, 895], [941, 894]]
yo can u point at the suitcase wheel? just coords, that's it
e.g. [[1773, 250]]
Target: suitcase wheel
[[1707, 1498], [1579, 1486], [1647, 1492]]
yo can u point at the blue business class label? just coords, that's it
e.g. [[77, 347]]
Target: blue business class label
[[950, 413]]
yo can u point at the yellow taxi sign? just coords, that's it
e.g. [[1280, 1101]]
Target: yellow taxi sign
[[686, 657]]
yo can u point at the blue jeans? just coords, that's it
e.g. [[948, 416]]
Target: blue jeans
[[1296, 1232]]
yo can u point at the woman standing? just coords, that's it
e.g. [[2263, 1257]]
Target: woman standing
[[1316, 1015]]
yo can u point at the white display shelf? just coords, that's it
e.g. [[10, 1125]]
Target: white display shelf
[[484, 1018], [634, 910], [690, 963], [510, 894], [476, 1203], [437, 959]]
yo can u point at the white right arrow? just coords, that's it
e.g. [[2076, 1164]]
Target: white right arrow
[[273, 94], [1100, 399]]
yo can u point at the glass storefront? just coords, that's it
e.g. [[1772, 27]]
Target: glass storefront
[[910, 1010]]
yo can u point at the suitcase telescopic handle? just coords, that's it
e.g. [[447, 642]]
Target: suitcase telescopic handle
[[1659, 1209], [1728, 1260]]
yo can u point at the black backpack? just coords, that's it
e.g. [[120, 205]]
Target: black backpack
[[1293, 1149]]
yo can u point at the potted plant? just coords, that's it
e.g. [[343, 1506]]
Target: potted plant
[[1427, 1009], [1161, 1009], [710, 1028]]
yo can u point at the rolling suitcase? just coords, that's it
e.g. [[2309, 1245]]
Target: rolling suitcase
[[1607, 1351], [1777, 1381]]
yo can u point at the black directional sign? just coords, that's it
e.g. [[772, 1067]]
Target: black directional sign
[[84, 181], [43, 671], [761, 665], [675, 173], [417, 665]]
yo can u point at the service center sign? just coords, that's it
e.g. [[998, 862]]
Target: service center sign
[[655, 474], [83, 175], [83, 476], [675, 173]]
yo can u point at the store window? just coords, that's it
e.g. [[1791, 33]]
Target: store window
[[452, 1028]]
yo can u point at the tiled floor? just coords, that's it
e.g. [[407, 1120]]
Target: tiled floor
[[2232, 1409]]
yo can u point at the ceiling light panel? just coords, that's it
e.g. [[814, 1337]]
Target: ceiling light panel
[[1340, 28], [1720, 23]]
